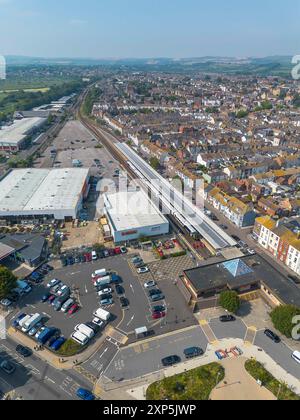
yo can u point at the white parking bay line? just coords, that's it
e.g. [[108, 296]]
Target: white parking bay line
[[50, 380]]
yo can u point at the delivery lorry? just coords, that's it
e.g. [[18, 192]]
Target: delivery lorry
[[84, 329]]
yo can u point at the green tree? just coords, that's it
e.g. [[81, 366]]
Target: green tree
[[154, 162], [282, 318], [8, 282], [230, 301]]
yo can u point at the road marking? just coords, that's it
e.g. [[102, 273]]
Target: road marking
[[130, 322], [50, 380], [132, 288], [102, 354]]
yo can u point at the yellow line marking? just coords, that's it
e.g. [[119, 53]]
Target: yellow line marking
[[203, 322]]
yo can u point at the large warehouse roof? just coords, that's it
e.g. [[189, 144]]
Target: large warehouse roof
[[132, 210], [26, 191], [19, 130]]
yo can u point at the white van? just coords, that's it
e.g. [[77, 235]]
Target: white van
[[296, 356], [99, 273], [94, 256], [31, 323], [84, 329], [80, 338], [102, 314]]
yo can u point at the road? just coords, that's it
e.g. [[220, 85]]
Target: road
[[36, 380]]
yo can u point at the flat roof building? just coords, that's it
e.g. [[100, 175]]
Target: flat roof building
[[243, 275], [43, 193], [131, 215], [13, 137]]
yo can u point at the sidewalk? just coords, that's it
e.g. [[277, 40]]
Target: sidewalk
[[136, 389], [57, 362]]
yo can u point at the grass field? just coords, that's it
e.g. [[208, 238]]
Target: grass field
[[7, 92], [195, 385]]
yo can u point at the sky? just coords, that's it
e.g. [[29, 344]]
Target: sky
[[149, 28]]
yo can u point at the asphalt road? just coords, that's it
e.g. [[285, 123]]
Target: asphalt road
[[143, 359], [36, 380], [278, 352]]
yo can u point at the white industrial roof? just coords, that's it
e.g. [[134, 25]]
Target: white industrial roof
[[30, 190], [132, 210], [19, 130]]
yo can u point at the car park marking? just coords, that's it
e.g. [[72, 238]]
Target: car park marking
[[131, 320], [50, 380]]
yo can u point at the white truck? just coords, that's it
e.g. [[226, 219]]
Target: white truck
[[84, 329], [80, 338], [31, 323], [24, 320], [99, 273], [102, 314]]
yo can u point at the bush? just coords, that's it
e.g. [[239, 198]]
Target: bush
[[195, 385], [282, 318], [230, 301], [280, 390], [70, 348]]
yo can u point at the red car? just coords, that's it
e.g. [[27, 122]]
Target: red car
[[51, 299], [73, 309], [118, 251], [158, 315], [89, 257]]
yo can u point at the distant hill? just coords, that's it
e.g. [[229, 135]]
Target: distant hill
[[276, 65]]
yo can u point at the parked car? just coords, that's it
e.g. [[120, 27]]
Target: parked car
[[23, 351], [106, 291], [150, 284], [236, 238], [53, 283], [98, 322], [46, 297], [85, 395], [227, 318], [123, 250], [51, 299], [124, 302], [18, 320], [120, 290], [171, 361], [294, 279], [73, 309], [158, 315], [154, 292], [159, 308], [7, 367], [58, 343], [157, 298], [274, 337], [106, 302], [192, 352], [6, 303]]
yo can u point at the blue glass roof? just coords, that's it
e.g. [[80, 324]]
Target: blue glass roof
[[237, 268]]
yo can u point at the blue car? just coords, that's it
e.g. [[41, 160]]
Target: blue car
[[18, 320], [85, 395], [58, 343]]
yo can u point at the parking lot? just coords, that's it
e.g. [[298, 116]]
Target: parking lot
[[75, 142], [126, 320]]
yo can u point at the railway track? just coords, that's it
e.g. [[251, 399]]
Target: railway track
[[115, 152]]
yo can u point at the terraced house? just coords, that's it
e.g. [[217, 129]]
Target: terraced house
[[241, 213], [281, 239]]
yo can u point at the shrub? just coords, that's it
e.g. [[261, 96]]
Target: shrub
[[230, 301]]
